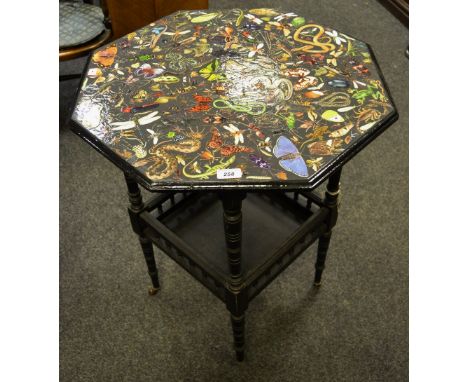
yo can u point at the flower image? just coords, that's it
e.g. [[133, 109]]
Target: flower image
[[334, 35], [238, 137], [231, 89]]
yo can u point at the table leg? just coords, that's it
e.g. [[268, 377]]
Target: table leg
[[137, 206], [331, 201], [236, 299], [238, 330], [148, 252]]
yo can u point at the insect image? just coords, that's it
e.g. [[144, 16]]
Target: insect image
[[289, 157], [259, 161], [203, 103], [262, 90]]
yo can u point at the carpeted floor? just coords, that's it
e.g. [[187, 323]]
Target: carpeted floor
[[354, 329]]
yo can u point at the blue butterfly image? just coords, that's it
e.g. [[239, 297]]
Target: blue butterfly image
[[289, 157]]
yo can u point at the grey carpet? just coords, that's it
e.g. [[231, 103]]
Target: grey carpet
[[354, 329]]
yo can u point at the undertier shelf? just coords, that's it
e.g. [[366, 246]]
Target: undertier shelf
[[277, 227]]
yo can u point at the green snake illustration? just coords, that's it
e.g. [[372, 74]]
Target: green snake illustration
[[211, 170]]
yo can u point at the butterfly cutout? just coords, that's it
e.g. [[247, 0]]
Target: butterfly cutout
[[208, 72], [203, 103], [289, 157], [106, 56]]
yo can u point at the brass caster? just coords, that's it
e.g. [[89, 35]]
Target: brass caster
[[152, 291], [316, 285]]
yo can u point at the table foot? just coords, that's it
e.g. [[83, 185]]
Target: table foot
[[331, 201], [324, 243], [152, 291], [148, 252]]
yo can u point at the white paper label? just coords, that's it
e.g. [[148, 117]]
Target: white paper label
[[229, 173]]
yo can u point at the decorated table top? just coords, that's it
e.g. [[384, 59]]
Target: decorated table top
[[245, 98]]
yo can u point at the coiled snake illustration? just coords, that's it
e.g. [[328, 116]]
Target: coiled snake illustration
[[317, 41], [164, 163]]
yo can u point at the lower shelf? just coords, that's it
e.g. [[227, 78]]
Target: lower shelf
[[265, 227], [276, 229]]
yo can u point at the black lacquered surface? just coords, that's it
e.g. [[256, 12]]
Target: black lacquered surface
[[259, 98]]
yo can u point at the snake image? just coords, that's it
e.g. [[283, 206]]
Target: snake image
[[164, 164], [252, 108], [198, 92], [178, 63], [324, 46], [211, 170]]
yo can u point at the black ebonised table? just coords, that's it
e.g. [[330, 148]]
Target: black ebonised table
[[255, 107]]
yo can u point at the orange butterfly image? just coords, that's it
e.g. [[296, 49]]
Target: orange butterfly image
[[105, 57], [203, 103]]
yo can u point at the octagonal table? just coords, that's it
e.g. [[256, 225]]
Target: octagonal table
[[226, 104]]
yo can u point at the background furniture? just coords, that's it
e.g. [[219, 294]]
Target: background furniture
[[130, 15], [83, 27]]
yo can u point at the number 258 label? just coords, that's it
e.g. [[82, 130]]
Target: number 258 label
[[229, 173]]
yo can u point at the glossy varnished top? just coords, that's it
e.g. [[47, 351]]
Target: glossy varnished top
[[234, 98]]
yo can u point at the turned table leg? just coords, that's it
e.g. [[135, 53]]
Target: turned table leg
[[137, 206], [236, 298], [331, 201]]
